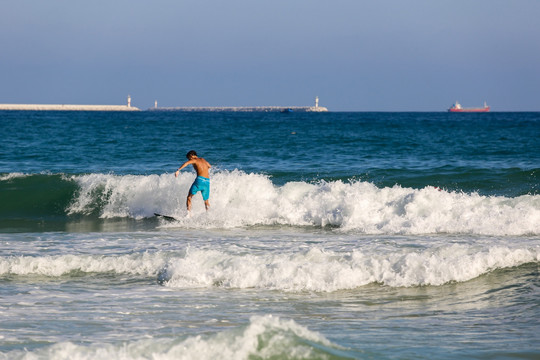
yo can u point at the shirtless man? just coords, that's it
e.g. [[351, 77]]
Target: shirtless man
[[202, 182]]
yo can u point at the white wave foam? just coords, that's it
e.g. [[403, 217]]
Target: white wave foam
[[145, 264], [326, 271], [313, 269], [240, 199], [265, 337], [10, 176], [126, 196]]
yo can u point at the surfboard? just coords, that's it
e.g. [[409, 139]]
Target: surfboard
[[166, 217]]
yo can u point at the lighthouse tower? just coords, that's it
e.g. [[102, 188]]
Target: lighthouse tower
[[129, 101], [316, 101]]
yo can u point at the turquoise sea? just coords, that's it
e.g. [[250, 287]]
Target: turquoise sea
[[330, 236]]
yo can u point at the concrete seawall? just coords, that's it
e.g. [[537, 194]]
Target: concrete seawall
[[246, 109], [53, 107]]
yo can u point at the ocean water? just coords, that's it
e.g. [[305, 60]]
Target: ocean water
[[330, 236]]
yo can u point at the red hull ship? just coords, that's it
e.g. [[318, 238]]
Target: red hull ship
[[457, 108]]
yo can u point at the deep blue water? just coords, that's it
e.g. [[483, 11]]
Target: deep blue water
[[495, 153]]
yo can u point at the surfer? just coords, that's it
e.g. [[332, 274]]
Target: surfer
[[202, 182]]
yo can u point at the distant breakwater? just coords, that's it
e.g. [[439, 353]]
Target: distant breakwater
[[245, 108], [59, 107], [63, 107]]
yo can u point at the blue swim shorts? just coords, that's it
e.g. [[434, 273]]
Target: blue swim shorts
[[201, 184]]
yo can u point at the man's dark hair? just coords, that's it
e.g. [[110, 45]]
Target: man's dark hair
[[191, 153]]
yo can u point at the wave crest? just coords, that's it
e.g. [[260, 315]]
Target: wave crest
[[241, 199], [327, 271], [313, 269], [145, 264], [264, 337]]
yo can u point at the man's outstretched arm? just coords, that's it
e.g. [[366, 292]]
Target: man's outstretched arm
[[183, 166]]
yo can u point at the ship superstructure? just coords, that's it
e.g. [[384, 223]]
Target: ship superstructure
[[458, 108]]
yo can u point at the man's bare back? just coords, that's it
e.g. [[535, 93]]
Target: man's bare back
[[200, 165], [202, 182]]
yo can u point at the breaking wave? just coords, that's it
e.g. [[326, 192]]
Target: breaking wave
[[264, 337], [240, 199], [312, 269]]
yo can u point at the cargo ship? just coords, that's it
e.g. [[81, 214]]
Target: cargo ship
[[458, 108]]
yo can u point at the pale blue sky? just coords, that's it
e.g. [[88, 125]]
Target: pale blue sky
[[356, 55]]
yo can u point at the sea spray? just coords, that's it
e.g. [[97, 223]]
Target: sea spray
[[240, 199], [125, 196]]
